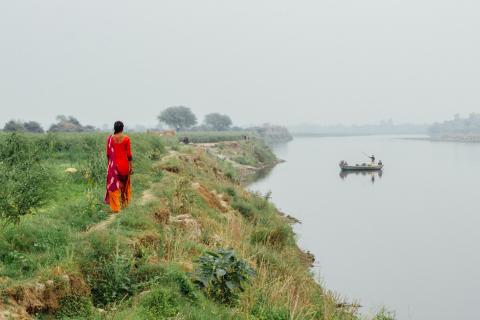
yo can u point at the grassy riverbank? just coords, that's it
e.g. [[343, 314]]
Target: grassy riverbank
[[71, 259]]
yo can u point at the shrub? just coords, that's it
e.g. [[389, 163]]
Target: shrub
[[221, 275], [184, 284], [26, 183], [108, 272], [75, 307], [161, 304], [110, 279]]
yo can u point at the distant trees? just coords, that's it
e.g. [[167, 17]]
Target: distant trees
[[457, 125], [19, 126], [33, 126], [14, 126], [69, 124], [178, 117], [217, 121]]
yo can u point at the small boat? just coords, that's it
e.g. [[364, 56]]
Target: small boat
[[361, 167]]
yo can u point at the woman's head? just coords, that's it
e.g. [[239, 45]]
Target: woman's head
[[118, 127]]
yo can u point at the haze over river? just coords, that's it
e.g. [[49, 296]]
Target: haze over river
[[408, 239]]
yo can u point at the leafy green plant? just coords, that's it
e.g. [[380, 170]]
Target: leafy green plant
[[221, 275], [26, 183]]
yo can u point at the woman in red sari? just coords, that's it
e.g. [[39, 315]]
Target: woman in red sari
[[120, 168]]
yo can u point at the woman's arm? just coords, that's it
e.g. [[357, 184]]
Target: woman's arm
[[129, 156]]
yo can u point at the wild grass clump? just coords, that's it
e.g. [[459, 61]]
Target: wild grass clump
[[245, 208], [263, 310], [221, 275], [182, 197], [278, 236]]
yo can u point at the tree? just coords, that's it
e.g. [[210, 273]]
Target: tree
[[217, 121], [69, 124], [14, 126], [33, 126], [179, 117]]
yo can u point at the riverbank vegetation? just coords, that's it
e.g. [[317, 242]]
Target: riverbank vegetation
[[194, 244]]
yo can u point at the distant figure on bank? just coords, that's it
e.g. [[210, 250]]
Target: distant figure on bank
[[372, 158], [120, 168]]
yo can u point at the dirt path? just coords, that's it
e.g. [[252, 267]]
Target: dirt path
[[103, 224]]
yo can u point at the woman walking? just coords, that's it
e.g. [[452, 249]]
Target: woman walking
[[120, 168]]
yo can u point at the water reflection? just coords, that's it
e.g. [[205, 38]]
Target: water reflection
[[374, 175]]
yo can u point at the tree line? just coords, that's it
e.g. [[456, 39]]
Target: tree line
[[179, 118], [63, 124], [182, 118]]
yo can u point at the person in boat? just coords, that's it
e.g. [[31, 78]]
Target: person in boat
[[120, 168], [372, 157]]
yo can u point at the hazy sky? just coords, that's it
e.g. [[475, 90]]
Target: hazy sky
[[287, 62]]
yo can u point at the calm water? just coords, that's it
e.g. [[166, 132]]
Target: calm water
[[409, 240]]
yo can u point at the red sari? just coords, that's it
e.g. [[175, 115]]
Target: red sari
[[119, 190]]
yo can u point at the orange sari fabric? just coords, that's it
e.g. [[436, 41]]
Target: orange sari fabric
[[120, 198]]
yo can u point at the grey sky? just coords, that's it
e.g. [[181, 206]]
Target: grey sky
[[322, 61]]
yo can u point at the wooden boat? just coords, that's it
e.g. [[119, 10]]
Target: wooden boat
[[361, 167]]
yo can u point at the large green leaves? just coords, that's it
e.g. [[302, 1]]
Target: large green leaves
[[221, 275]]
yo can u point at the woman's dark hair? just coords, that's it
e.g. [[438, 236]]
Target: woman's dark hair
[[118, 127]]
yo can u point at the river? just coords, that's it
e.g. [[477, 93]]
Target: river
[[408, 239]]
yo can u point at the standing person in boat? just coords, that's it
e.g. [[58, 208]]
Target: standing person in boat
[[372, 157], [120, 168]]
